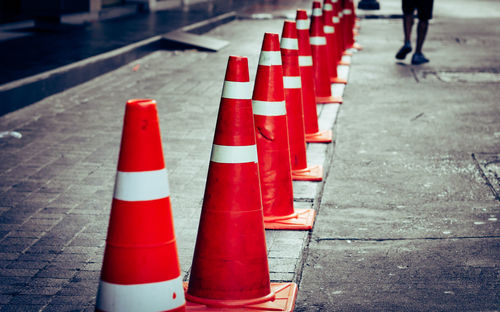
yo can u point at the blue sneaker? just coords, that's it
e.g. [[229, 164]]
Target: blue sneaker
[[403, 52], [419, 58]]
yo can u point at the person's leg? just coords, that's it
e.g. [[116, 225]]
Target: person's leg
[[424, 15], [408, 7], [407, 27], [422, 27]]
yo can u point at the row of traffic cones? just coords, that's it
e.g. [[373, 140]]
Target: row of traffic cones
[[259, 147]]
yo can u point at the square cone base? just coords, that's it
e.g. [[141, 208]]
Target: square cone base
[[324, 136], [329, 99], [313, 173], [303, 220], [285, 296], [337, 80]]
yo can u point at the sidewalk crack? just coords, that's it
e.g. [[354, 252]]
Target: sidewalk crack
[[320, 239]]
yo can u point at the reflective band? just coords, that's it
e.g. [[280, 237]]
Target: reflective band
[[268, 58], [328, 29], [305, 61], [335, 20], [234, 154], [340, 14], [327, 7], [317, 40], [335, 1], [162, 296], [237, 90], [302, 24], [140, 186], [317, 12], [289, 43], [265, 108], [292, 82], [347, 11]]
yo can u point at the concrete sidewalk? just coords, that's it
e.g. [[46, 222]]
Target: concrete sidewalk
[[408, 219]]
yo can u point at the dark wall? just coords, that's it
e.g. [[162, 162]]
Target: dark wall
[[16, 10], [10, 11]]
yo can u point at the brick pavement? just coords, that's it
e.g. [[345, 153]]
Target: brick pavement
[[56, 182]]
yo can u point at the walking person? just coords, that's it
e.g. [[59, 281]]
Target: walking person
[[424, 10]]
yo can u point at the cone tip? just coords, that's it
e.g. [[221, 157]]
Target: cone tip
[[140, 103], [301, 14], [289, 29], [271, 42], [237, 69], [316, 5]]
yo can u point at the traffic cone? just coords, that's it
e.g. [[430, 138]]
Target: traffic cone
[[312, 132], [320, 59], [351, 13], [336, 17], [230, 268], [270, 115], [295, 115], [339, 9], [331, 42], [140, 270]]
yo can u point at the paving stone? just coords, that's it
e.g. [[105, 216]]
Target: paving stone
[[17, 307], [30, 300], [66, 177]]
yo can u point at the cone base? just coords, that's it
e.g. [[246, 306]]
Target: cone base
[[324, 136], [328, 99], [283, 300], [313, 173], [337, 80], [302, 219], [357, 46]]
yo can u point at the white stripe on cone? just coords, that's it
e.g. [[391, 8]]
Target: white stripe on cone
[[234, 154], [161, 296], [328, 29], [266, 108], [292, 82], [141, 186], [302, 24], [317, 40], [347, 11], [305, 60], [289, 43], [335, 20], [237, 90], [327, 7], [317, 12], [269, 58]]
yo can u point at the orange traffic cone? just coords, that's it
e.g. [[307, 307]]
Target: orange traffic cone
[[331, 42], [230, 268], [339, 32], [293, 98], [320, 59], [339, 8], [270, 115], [351, 13], [140, 270], [313, 135]]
